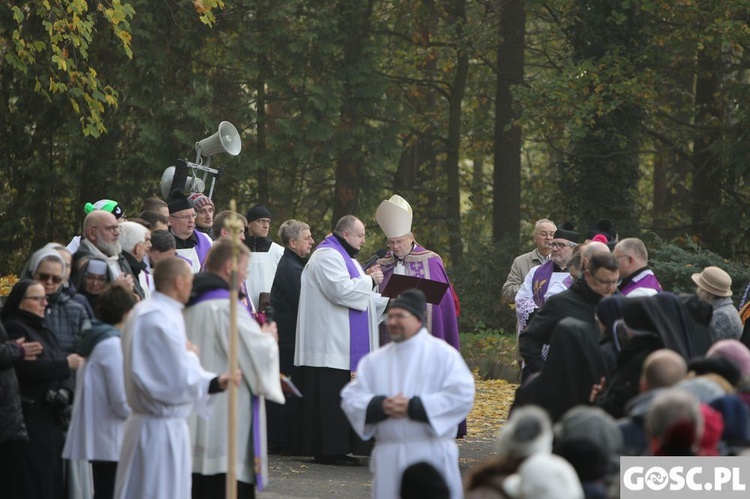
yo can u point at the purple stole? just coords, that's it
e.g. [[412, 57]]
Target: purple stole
[[644, 279], [540, 281], [220, 294], [440, 319], [202, 247], [359, 323]]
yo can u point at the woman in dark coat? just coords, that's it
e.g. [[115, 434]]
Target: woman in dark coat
[[12, 427], [44, 385]]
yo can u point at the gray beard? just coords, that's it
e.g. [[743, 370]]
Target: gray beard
[[110, 249]]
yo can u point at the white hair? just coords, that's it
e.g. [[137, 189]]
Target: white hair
[[131, 233]]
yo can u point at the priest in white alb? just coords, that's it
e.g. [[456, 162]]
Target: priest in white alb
[[164, 383], [410, 395]]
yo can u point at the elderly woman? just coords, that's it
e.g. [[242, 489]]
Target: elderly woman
[[715, 287], [65, 316], [45, 387]]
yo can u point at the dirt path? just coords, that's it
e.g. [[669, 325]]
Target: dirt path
[[299, 477]]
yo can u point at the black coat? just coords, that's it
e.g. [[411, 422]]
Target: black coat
[[578, 302], [41, 457], [285, 293], [12, 427]]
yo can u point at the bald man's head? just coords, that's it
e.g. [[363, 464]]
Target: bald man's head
[[661, 369]]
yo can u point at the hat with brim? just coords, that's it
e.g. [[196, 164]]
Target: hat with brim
[[714, 280]]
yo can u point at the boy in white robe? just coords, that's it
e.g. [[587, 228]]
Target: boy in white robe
[[164, 383], [410, 395]]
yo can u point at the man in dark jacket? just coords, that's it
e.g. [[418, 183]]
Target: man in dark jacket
[[599, 279], [298, 243]]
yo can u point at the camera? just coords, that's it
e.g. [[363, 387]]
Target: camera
[[58, 399]]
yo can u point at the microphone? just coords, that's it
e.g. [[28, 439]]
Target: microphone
[[374, 258]]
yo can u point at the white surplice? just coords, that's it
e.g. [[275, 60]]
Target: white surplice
[[327, 292], [422, 366], [100, 407], [207, 325], [261, 269], [164, 383]]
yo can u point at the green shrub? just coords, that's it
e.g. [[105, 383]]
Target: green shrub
[[675, 263], [479, 281]]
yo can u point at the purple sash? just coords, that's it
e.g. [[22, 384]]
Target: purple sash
[[202, 247], [645, 279], [359, 323], [216, 294], [540, 281]]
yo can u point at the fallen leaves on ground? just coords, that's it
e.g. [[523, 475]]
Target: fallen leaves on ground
[[492, 401]]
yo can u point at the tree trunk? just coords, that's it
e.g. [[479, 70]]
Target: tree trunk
[[506, 212]]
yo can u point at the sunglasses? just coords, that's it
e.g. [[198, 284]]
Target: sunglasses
[[44, 277]]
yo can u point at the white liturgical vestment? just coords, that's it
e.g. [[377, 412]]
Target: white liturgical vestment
[[422, 366]]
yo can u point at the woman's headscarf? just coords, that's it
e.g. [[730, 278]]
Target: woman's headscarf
[[663, 316], [13, 302], [45, 253], [609, 311]]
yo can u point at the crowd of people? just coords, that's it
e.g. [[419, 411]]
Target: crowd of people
[[614, 365], [115, 347]]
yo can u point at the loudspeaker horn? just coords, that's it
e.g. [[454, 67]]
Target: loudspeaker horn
[[191, 185], [227, 139]]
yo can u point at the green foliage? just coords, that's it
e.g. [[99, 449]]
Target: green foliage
[[479, 281], [675, 263], [51, 42]]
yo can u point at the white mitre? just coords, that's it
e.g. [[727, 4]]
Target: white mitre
[[394, 217]]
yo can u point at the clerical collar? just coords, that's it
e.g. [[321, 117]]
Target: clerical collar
[[347, 247]]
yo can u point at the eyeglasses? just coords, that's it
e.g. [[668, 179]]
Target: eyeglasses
[[96, 278], [109, 228], [561, 245], [39, 299], [184, 217], [605, 282], [44, 277]]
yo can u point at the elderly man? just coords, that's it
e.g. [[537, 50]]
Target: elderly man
[[406, 257], [637, 278], [410, 395], [539, 280], [298, 243], [192, 245], [101, 234], [339, 311], [135, 240], [207, 325], [108, 205], [164, 383], [204, 213], [544, 233], [266, 254], [600, 279]]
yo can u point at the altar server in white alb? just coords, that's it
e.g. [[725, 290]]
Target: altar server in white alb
[[265, 257], [164, 383], [207, 321], [410, 395]]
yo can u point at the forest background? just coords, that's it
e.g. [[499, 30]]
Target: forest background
[[485, 115]]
